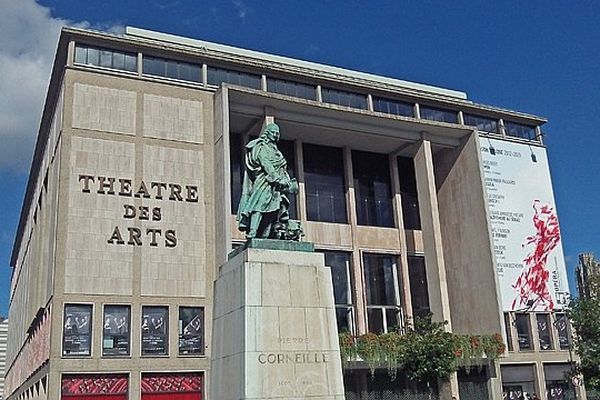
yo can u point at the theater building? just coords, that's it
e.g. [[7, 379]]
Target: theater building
[[414, 193]]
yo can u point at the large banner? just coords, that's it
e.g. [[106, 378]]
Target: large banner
[[527, 241]]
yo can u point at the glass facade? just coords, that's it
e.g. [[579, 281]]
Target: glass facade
[[484, 124], [216, 76], [438, 114], [523, 331], [343, 98], [520, 131], [342, 288], [563, 332], [543, 326], [382, 292], [372, 189], [393, 107], [419, 293], [291, 88], [191, 331], [408, 190], [325, 183], [155, 330], [77, 330], [116, 332], [172, 69], [106, 58]]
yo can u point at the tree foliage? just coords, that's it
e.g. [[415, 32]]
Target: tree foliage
[[585, 316]]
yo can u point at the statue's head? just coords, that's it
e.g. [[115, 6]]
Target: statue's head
[[271, 132]]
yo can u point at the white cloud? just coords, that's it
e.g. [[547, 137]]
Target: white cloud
[[242, 9], [28, 39]]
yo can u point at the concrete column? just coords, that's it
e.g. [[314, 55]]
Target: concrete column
[[432, 235], [71, 53], [205, 74], [357, 276], [417, 110], [319, 94], [263, 83], [370, 102], [399, 221], [140, 65]]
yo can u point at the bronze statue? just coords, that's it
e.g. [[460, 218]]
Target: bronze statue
[[263, 211]]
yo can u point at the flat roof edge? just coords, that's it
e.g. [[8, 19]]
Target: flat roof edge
[[166, 37]]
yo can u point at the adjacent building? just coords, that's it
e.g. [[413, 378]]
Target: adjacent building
[[421, 199], [587, 272], [3, 341]]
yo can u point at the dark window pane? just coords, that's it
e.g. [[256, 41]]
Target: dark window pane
[[106, 58], [80, 54], [375, 317], [155, 332], [508, 329], [115, 339], [419, 292], [393, 107], [484, 124], [118, 60], [562, 328], [131, 62], [520, 131], [392, 319], [381, 279], [543, 325], [437, 114], [344, 98], [171, 69], [324, 183], [287, 149], [408, 190], [340, 264], [237, 170], [191, 330], [153, 66], [77, 330], [523, 333], [372, 189], [218, 75], [93, 56], [290, 88], [343, 317]]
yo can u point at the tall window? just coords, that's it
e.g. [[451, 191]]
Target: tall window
[[563, 333], [191, 330], [287, 149], [484, 124], [393, 107], [408, 189], [438, 114], [218, 75], [77, 330], [382, 292], [340, 274], [236, 160], [324, 182], [508, 330], [155, 330], [543, 325], [372, 189], [520, 130], [106, 58], [343, 98], [115, 332], [292, 88], [523, 331], [419, 294], [172, 69]]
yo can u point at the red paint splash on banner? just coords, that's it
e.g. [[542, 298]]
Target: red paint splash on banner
[[532, 284]]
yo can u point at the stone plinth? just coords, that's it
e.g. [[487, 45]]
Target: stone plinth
[[274, 329]]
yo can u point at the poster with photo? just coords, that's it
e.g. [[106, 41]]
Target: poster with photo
[[191, 330], [155, 338], [526, 235], [77, 324], [115, 339]]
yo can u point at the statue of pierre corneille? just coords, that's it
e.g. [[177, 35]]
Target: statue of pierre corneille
[[263, 211]]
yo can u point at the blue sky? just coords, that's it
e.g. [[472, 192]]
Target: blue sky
[[531, 56]]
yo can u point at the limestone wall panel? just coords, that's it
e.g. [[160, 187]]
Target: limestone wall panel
[[104, 109], [172, 118], [92, 264]]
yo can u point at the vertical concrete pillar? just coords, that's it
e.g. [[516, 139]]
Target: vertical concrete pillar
[[432, 236], [399, 221]]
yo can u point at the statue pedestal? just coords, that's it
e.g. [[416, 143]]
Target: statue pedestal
[[274, 328]]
